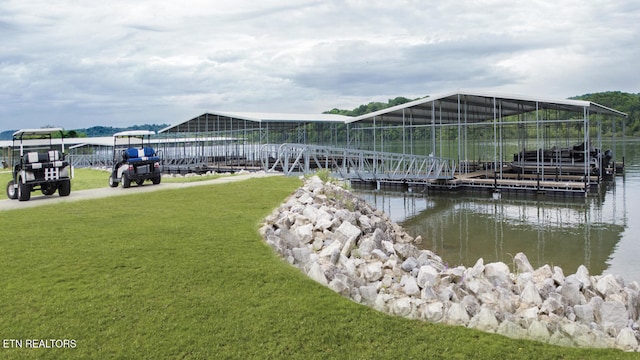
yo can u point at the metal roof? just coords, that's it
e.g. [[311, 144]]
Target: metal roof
[[202, 122], [477, 106], [134, 133], [472, 106]]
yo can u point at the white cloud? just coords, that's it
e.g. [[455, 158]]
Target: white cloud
[[78, 64]]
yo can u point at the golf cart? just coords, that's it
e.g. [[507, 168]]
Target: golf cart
[[134, 160], [38, 164]]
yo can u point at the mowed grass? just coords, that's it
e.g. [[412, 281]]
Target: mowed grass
[[184, 274], [85, 178]]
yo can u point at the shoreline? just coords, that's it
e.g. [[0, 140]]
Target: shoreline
[[340, 241]]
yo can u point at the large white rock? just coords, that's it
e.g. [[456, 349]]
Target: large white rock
[[368, 294], [614, 315], [373, 271], [608, 285], [401, 306], [570, 291], [311, 213], [427, 276], [457, 315], [301, 255], [347, 231], [497, 273], [409, 264], [522, 263], [305, 233], [583, 275], [558, 275], [510, 329], [538, 331], [626, 340], [317, 274], [584, 313], [329, 250], [434, 311], [410, 286], [484, 320], [530, 294], [341, 284]]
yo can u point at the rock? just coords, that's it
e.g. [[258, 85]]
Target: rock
[[410, 285], [613, 315], [558, 275], [373, 271], [301, 255], [368, 294], [485, 320], [552, 305], [583, 275], [409, 264], [380, 255], [584, 313], [366, 247], [626, 340], [346, 231], [530, 294], [365, 223], [341, 284], [377, 263], [570, 291], [401, 307], [316, 273], [608, 285], [522, 263], [512, 330], [457, 315], [328, 250], [427, 276], [349, 244], [434, 311], [538, 331], [498, 274]]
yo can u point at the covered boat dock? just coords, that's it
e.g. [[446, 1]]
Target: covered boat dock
[[451, 141]]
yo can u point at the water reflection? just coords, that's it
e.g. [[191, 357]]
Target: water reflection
[[601, 232], [461, 228]]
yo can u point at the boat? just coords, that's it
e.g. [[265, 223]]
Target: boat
[[580, 159]]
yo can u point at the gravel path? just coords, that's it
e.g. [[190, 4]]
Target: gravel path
[[37, 199]]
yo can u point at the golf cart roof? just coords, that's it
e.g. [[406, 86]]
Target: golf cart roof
[[134, 133], [30, 132]]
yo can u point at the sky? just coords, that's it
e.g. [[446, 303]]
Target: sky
[[79, 63]]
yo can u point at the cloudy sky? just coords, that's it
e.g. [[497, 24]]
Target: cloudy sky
[[80, 63]]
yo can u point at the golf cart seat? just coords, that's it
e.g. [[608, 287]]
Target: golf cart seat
[[143, 154]]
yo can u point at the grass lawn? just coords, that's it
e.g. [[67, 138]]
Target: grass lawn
[[91, 178], [184, 274]]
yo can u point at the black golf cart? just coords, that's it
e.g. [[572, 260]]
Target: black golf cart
[[134, 160], [38, 163]]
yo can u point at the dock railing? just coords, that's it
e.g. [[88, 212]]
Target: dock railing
[[354, 163]]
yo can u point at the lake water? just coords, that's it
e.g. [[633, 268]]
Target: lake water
[[601, 232]]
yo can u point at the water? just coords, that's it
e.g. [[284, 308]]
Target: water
[[601, 232]]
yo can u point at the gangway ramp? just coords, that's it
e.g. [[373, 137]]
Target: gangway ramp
[[352, 164]]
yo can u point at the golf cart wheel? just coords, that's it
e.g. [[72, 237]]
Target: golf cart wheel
[[112, 181], [140, 182], [12, 193], [156, 180], [64, 188], [24, 192], [126, 182], [49, 188]]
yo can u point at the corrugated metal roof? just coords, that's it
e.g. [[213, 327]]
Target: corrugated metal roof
[[480, 106], [199, 123]]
